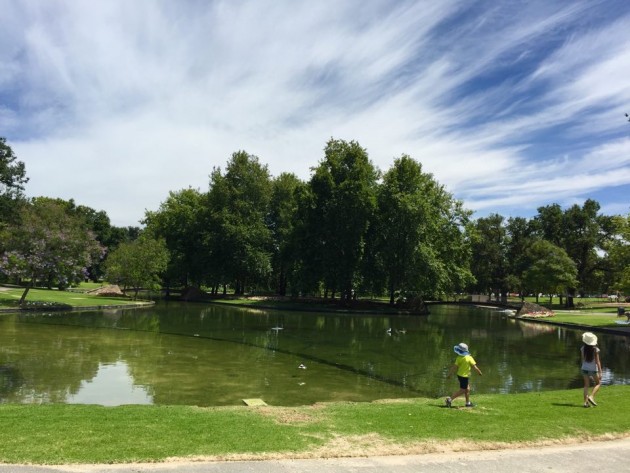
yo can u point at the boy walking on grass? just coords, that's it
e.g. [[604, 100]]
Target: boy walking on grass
[[463, 365]]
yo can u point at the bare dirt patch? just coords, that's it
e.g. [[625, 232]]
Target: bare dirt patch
[[374, 445], [287, 415]]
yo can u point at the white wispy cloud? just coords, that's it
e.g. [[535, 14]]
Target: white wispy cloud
[[511, 105]]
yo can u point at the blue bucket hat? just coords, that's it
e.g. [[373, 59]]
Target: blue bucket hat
[[461, 349]]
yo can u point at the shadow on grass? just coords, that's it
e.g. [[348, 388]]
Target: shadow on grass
[[559, 404]]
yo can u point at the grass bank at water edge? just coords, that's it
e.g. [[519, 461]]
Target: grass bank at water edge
[[58, 434]]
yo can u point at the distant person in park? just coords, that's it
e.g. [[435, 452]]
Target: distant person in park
[[591, 367], [464, 363]]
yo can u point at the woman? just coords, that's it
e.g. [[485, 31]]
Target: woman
[[591, 367]]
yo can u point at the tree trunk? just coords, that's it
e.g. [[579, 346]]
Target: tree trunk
[[570, 295], [23, 298]]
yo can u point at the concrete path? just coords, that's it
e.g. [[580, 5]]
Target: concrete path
[[601, 457]]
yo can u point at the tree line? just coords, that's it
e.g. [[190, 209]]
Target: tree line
[[349, 231]]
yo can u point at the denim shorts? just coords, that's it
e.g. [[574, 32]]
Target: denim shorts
[[589, 373]]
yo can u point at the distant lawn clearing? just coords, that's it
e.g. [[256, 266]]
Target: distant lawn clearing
[[9, 297]]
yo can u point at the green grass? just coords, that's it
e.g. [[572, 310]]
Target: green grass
[[592, 320], [10, 296], [57, 434], [585, 303]]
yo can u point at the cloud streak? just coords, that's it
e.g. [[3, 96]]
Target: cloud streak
[[511, 105]]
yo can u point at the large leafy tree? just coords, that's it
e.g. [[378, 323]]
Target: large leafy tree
[[50, 245], [282, 220], [489, 249], [520, 236], [138, 264], [179, 222], [582, 232], [12, 181], [419, 234], [550, 269], [97, 221], [618, 255], [238, 237], [344, 200]]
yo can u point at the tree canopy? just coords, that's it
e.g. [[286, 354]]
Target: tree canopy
[[12, 181], [49, 245], [350, 230]]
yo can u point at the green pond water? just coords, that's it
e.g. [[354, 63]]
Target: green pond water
[[211, 355]]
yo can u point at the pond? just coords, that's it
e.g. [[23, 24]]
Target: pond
[[212, 355]]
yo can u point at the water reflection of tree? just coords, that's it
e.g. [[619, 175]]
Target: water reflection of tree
[[188, 354], [53, 364]]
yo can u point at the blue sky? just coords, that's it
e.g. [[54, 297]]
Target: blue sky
[[510, 104]]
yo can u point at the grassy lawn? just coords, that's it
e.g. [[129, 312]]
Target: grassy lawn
[[10, 296], [56, 434], [588, 319]]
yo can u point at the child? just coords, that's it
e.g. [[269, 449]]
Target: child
[[463, 364], [591, 367]]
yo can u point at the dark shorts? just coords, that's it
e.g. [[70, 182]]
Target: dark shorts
[[463, 382]]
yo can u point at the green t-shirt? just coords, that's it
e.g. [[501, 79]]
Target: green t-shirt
[[464, 365]]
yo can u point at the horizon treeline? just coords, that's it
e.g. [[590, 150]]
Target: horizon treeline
[[352, 231]]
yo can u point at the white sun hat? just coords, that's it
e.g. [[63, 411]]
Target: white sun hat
[[589, 338]]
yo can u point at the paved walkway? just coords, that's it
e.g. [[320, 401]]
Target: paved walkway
[[602, 457]]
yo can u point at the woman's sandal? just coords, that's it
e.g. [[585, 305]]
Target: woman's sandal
[[591, 400]]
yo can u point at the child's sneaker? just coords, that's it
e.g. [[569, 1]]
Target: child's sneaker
[[469, 404], [448, 401]]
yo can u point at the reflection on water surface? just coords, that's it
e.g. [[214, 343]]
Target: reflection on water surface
[[207, 355]]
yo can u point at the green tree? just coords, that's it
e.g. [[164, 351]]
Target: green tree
[[344, 200], [282, 220], [489, 261], [520, 235], [239, 240], [550, 269], [618, 255], [179, 222], [12, 180], [137, 264], [418, 235], [50, 245]]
